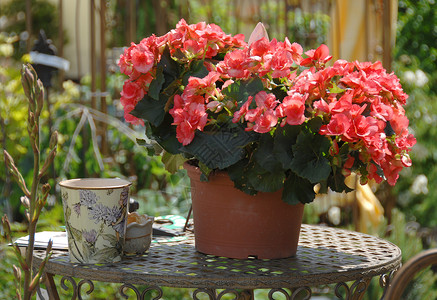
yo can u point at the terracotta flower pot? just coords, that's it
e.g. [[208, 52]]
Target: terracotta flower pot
[[231, 223]]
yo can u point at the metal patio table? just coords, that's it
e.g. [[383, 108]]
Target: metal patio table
[[345, 260]]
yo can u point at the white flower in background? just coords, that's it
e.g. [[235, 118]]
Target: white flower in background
[[421, 78], [417, 78], [409, 77], [420, 185]]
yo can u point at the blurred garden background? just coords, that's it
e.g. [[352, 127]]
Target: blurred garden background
[[82, 103]]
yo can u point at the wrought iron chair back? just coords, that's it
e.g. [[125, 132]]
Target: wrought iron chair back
[[407, 272]]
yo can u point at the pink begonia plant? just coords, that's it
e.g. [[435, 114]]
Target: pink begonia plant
[[272, 116]]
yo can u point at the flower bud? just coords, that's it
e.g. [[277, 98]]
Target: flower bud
[[10, 163], [46, 188], [17, 272], [39, 96], [53, 140], [27, 82], [230, 104], [31, 119], [25, 201], [333, 150], [336, 161], [49, 247]]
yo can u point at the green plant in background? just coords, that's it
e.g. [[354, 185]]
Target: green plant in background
[[11, 123], [13, 129], [415, 60], [44, 16], [405, 235], [309, 29], [416, 36], [35, 198]]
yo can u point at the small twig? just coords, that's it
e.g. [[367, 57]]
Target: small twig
[[73, 140], [94, 139]]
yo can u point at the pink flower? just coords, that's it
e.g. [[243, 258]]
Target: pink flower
[[260, 47], [295, 49], [292, 109], [188, 117], [265, 122], [321, 107], [200, 86], [142, 59], [234, 64], [125, 61], [356, 102], [380, 110], [373, 173], [242, 111], [131, 119], [264, 100], [362, 128], [317, 57], [399, 123], [338, 125], [281, 63], [348, 164], [132, 91], [185, 132]]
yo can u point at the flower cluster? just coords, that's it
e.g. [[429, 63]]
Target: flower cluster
[[282, 97], [186, 43]]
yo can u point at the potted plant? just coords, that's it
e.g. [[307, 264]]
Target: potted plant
[[273, 118]]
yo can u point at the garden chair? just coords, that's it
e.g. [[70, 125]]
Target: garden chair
[[407, 272]]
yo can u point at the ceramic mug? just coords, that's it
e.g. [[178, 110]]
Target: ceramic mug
[[95, 211]]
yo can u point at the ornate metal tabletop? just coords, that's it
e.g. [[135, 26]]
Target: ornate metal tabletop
[[325, 255]]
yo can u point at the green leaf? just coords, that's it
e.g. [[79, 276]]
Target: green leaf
[[156, 84], [265, 181], [165, 135], [336, 183], [170, 67], [335, 89], [150, 110], [265, 156], [314, 124], [241, 90], [197, 69], [173, 162], [284, 138], [220, 149], [297, 189], [309, 161], [239, 175], [205, 171]]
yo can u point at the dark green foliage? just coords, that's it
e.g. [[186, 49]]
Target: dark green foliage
[[44, 17], [417, 34], [416, 59]]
